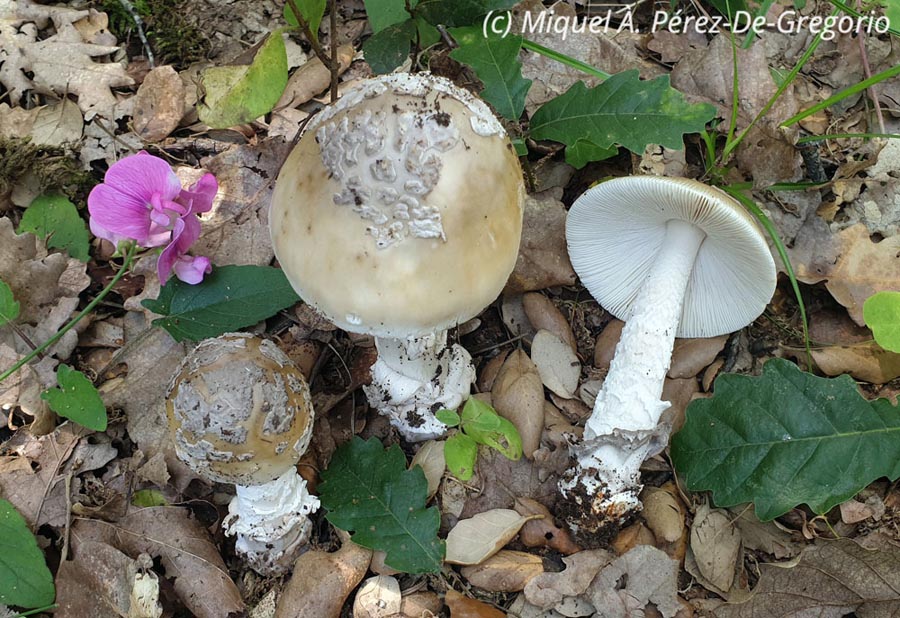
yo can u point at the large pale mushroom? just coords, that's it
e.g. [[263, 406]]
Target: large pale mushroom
[[671, 257], [398, 214], [240, 412]]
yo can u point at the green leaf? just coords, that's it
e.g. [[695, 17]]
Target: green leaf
[[460, 452], [387, 49], [25, 580], [583, 152], [148, 498], [76, 399], [237, 94], [882, 314], [9, 306], [229, 298], [55, 218], [622, 110], [495, 60], [447, 417], [730, 8], [311, 11], [482, 423], [459, 12], [786, 438], [384, 13], [368, 490]]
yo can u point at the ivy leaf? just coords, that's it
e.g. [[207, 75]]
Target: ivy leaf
[[786, 438], [9, 306], [311, 11], [76, 399], [496, 62], [482, 423], [459, 12], [237, 94], [388, 48], [368, 491], [55, 218], [622, 110], [25, 580], [229, 298], [882, 314], [384, 13], [460, 452]]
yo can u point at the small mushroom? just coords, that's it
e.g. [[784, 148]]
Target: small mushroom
[[239, 412], [671, 257], [398, 214]]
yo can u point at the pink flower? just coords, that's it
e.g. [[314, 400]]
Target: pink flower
[[141, 199]]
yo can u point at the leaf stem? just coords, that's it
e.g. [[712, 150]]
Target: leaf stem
[[564, 59], [311, 36], [126, 265]]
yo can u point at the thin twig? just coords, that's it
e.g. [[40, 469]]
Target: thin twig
[[139, 26], [873, 92], [335, 66], [310, 35], [65, 548]]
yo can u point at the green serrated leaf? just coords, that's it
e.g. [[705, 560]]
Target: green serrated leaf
[[384, 13], [882, 314], [76, 399], [459, 12], [368, 491], [55, 218], [237, 94], [388, 48], [229, 298], [311, 11], [786, 438], [583, 152], [482, 423], [9, 306], [25, 580], [622, 110], [495, 60], [148, 498], [447, 417], [460, 452]]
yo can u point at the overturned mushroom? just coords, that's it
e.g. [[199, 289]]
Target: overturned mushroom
[[398, 214], [670, 257], [240, 412]]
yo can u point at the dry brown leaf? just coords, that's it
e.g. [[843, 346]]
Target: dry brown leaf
[[488, 372], [159, 104], [312, 78], [512, 310], [188, 555], [420, 605], [556, 362], [691, 356], [864, 361], [543, 314], [716, 546], [16, 121], [763, 536], [96, 583], [647, 577], [462, 606], [663, 513], [473, 540], [377, 597], [543, 258], [505, 571], [549, 589], [632, 536], [321, 582], [57, 124], [518, 395], [830, 580], [95, 28], [672, 46], [542, 532], [605, 348], [679, 393], [430, 457]]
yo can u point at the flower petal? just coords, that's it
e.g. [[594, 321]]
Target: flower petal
[[119, 213], [142, 175], [199, 198], [185, 231], [192, 269]]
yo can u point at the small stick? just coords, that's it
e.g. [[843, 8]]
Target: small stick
[[310, 35], [139, 25], [335, 66]]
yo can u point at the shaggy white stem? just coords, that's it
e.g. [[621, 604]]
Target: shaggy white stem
[[271, 522], [415, 377], [622, 430]]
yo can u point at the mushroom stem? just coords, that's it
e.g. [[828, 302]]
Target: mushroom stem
[[271, 523], [622, 430], [415, 377]]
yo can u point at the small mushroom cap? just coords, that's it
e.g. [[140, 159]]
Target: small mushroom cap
[[239, 410], [614, 232], [399, 212]]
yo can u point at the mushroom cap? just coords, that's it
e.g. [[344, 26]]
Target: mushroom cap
[[615, 229], [399, 212], [239, 410]]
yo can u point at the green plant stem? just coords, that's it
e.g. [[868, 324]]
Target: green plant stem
[[786, 82], [843, 94], [764, 220], [564, 59], [31, 612], [129, 257], [850, 10], [818, 138]]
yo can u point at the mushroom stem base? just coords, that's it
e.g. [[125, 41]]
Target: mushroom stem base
[[415, 377], [271, 522]]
